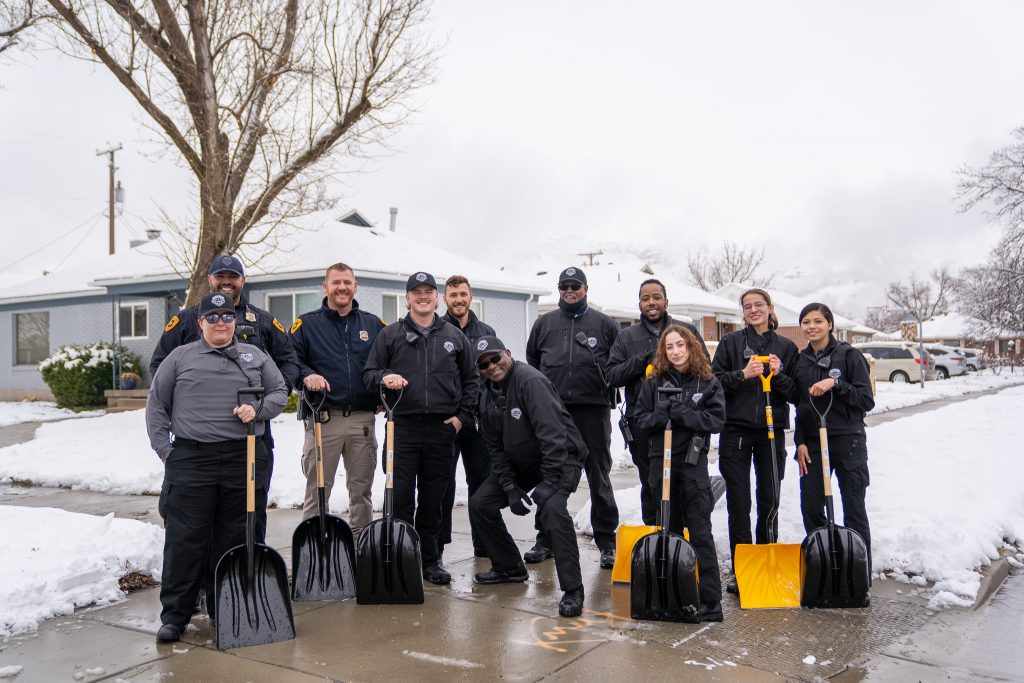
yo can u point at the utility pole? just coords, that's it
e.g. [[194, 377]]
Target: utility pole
[[590, 256], [110, 198]]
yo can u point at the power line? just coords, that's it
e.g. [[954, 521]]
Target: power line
[[53, 241], [77, 244]]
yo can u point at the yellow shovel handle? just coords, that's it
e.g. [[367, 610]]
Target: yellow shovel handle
[[766, 380]]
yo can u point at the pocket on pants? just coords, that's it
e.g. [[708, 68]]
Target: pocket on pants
[[161, 504]]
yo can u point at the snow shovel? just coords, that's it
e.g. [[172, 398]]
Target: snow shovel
[[768, 575], [663, 581], [250, 585], [834, 568], [322, 546], [389, 568]]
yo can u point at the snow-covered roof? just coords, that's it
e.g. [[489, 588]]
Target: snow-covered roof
[[959, 326], [788, 306], [614, 286], [318, 241]]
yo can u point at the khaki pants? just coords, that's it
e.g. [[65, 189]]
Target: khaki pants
[[353, 439]]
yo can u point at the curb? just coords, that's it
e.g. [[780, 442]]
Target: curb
[[992, 581]]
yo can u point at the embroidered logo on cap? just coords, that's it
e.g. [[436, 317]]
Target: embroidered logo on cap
[[515, 413], [421, 277], [217, 300], [481, 345], [449, 347], [570, 271]]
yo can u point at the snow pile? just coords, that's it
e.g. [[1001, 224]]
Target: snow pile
[[12, 413], [52, 561], [892, 396], [73, 355]]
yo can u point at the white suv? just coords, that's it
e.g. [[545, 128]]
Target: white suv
[[949, 362], [898, 362]]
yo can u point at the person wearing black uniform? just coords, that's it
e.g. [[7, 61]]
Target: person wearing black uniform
[[745, 437], [534, 445], [695, 413], [631, 353], [570, 346], [832, 379], [458, 295], [332, 344], [203, 497], [427, 366], [253, 325]]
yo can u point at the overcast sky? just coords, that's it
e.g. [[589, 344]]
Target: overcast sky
[[828, 131]]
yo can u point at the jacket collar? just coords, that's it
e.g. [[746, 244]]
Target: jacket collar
[[470, 319], [333, 314]]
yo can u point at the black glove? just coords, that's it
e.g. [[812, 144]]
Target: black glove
[[661, 412], [518, 501], [542, 492]]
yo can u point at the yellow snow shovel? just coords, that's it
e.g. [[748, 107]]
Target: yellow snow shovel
[[768, 575]]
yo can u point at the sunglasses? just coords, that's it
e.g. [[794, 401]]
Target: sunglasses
[[488, 362], [213, 318], [575, 286]]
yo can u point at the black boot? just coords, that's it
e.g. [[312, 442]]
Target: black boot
[[538, 553], [517, 575], [711, 611], [571, 604], [168, 633], [437, 575]]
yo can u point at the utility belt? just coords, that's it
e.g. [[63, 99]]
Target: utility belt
[[192, 444]]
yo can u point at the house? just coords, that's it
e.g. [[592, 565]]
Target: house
[[955, 329], [129, 297], [614, 289], [787, 309]]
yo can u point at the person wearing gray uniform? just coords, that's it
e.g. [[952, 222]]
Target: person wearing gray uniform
[[199, 433]]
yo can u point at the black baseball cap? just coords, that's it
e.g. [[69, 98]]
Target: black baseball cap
[[226, 262], [417, 279], [215, 302], [572, 273], [486, 345]]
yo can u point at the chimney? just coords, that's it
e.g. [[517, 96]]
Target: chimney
[[394, 217], [152, 234]]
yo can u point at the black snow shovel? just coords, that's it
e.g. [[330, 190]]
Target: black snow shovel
[[389, 567], [834, 569], [250, 585], [663, 572], [322, 546]]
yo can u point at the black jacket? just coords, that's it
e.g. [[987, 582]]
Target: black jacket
[[337, 347], [851, 398], [744, 398], [443, 380], [702, 416], [577, 371], [252, 326], [474, 329], [633, 350], [527, 429]]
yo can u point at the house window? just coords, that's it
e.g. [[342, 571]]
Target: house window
[[287, 307], [477, 306], [389, 308], [32, 337], [133, 320]]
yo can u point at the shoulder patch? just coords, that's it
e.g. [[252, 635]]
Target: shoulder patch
[[278, 325], [172, 323], [382, 322], [295, 325]]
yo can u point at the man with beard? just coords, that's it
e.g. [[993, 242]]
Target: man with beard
[[458, 295], [570, 346], [427, 366], [253, 325], [332, 344], [628, 359]]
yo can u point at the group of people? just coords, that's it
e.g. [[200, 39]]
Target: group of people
[[525, 431]]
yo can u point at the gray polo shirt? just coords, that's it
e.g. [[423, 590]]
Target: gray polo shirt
[[194, 393]]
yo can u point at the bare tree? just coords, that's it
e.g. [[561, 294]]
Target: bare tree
[[260, 99], [883, 318], [16, 18], [919, 301], [731, 263]]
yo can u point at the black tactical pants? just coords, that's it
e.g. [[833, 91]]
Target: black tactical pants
[[640, 450], [202, 502], [476, 461], [737, 449]]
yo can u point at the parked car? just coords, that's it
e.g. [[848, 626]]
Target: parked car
[[898, 362], [975, 359], [949, 362]]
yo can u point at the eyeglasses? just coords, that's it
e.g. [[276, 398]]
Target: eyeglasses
[[485, 363], [212, 318], [759, 306], [575, 286]]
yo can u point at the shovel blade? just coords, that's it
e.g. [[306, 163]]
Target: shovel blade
[[663, 581], [256, 611], [322, 567], [834, 569], [768, 575], [389, 569]]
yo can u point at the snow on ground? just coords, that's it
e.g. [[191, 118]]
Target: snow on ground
[[892, 396], [945, 496], [12, 413], [52, 561]]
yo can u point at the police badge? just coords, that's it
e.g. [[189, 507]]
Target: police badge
[[250, 316], [364, 335]]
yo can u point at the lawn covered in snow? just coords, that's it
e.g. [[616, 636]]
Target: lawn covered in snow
[[16, 412]]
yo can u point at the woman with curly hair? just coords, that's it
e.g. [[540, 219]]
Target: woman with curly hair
[[696, 410]]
